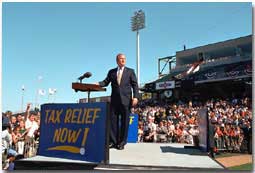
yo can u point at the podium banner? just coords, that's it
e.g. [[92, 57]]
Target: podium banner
[[133, 128], [74, 131]]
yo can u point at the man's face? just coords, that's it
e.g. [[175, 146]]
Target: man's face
[[19, 118], [121, 60], [13, 119], [32, 117]]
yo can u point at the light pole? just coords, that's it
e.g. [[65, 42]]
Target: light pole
[[138, 22], [39, 79], [22, 97]]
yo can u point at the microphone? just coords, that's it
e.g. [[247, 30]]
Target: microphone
[[85, 75]]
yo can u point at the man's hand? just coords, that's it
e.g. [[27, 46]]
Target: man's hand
[[28, 106], [134, 102]]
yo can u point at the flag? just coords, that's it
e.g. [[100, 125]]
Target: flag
[[41, 92], [193, 69], [190, 69], [196, 69], [52, 91]]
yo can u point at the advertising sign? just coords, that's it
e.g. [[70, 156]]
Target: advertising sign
[[165, 85]]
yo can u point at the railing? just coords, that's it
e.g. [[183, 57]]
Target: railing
[[214, 62], [27, 147], [231, 144], [30, 148]]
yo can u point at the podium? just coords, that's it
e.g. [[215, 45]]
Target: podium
[[85, 87]]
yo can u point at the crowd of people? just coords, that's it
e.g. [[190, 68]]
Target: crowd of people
[[172, 123], [167, 123], [231, 118], [20, 136]]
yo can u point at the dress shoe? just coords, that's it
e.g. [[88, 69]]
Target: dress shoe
[[112, 145], [120, 147]]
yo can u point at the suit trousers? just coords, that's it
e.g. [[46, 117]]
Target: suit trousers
[[119, 123]]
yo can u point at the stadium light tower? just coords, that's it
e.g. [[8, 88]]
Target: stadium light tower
[[138, 22]]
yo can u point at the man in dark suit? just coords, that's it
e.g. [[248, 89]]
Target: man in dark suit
[[123, 82]]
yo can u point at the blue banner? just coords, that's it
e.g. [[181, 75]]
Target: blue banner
[[74, 131], [133, 128]]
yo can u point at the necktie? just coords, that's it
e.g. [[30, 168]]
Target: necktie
[[119, 75]]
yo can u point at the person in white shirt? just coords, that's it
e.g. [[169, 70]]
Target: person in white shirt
[[30, 124], [150, 131], [194, 131], [6, 138], [170, 130]]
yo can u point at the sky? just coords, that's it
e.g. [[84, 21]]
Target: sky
[[49, 45]]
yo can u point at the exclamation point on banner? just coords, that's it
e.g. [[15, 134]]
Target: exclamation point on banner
[[82, 150]]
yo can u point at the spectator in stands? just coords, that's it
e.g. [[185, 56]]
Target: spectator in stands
[[6, 139], [23, 133], [140, 131], [178, 133], [18, 138], [170, 131], [37, 132], [30, 124], [194, 131], [187, 136], [23, 130], [6, 118], [161, 131], [13, 122], [218, 137], [19, 118], [15, 135], [226, 140], [236, 138], [150, 131], [232, 137], [9, 163]]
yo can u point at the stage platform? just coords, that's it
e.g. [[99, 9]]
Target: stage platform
[[135, 156]]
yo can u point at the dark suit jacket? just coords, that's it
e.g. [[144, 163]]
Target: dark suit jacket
[[122, 93]]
